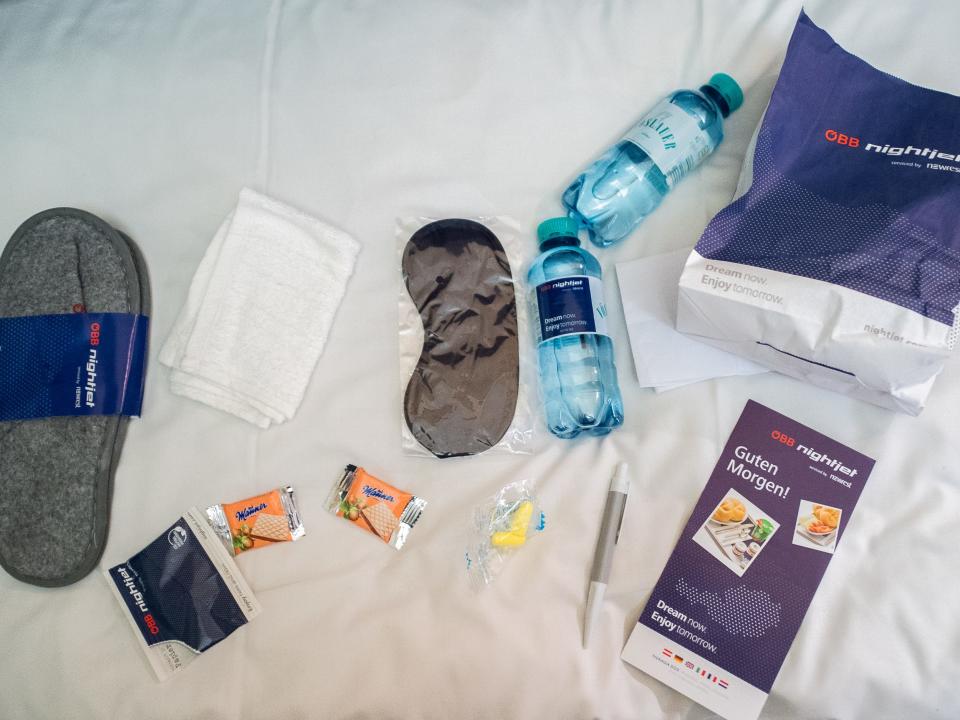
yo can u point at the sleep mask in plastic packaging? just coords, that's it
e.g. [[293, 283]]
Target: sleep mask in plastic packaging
[[462, 394]]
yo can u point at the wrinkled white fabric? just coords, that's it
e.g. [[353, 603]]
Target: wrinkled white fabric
[[154, 115], [259, 310]]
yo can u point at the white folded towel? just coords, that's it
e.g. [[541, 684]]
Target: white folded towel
[[259, 310]]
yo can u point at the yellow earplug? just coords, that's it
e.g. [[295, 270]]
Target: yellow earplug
[[519, 522]]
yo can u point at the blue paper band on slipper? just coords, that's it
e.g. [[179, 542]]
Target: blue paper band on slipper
[[62, 365]]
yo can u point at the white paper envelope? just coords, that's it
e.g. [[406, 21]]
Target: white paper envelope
[[664, 358]]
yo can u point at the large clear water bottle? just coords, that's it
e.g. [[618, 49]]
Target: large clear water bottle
[[578, 377], [612, 196]]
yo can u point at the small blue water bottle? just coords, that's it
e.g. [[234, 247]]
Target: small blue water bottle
[[578, 376], [625, 184]]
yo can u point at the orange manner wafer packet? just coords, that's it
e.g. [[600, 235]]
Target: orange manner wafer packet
[[257, 521], [375, 506]]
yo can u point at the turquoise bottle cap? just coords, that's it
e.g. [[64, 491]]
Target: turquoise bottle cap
[[558, 227], [728, 89]]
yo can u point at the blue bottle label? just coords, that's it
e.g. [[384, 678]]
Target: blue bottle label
[[570, 305], [671, 138]]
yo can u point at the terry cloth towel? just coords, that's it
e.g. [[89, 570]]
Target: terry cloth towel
[[259, 310]]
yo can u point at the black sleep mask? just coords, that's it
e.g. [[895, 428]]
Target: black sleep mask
[[462, 395]]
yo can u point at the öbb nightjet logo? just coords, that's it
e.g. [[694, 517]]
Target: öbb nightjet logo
[[852, 141], [91, 366]]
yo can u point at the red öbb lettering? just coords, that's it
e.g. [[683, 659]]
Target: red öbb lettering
[[95, 333], [784, 438], [841, 138], [151, 624]]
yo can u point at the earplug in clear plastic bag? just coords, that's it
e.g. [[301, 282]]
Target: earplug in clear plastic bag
[[499, 527]]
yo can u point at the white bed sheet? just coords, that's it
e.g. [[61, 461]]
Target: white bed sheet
[[154, 115]]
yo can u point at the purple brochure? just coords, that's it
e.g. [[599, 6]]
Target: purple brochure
[[727, 606]]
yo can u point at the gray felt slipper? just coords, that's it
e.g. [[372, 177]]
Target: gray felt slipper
[[56, 474]]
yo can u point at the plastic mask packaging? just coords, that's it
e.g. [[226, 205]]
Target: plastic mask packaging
[[463, 369]]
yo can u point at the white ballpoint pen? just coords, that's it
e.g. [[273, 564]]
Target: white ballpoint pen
[[606, 543]]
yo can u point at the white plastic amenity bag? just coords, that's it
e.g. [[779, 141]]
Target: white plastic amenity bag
[[839, 261]]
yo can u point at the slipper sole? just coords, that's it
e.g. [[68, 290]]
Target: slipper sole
[[57, 477]]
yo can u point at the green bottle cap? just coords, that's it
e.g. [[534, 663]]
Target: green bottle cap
[[558, 227], [728, 89]]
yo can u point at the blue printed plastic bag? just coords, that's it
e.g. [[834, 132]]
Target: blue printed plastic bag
[[839, 261]]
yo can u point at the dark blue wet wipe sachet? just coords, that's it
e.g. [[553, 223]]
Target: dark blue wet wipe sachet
[[182, 594]]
